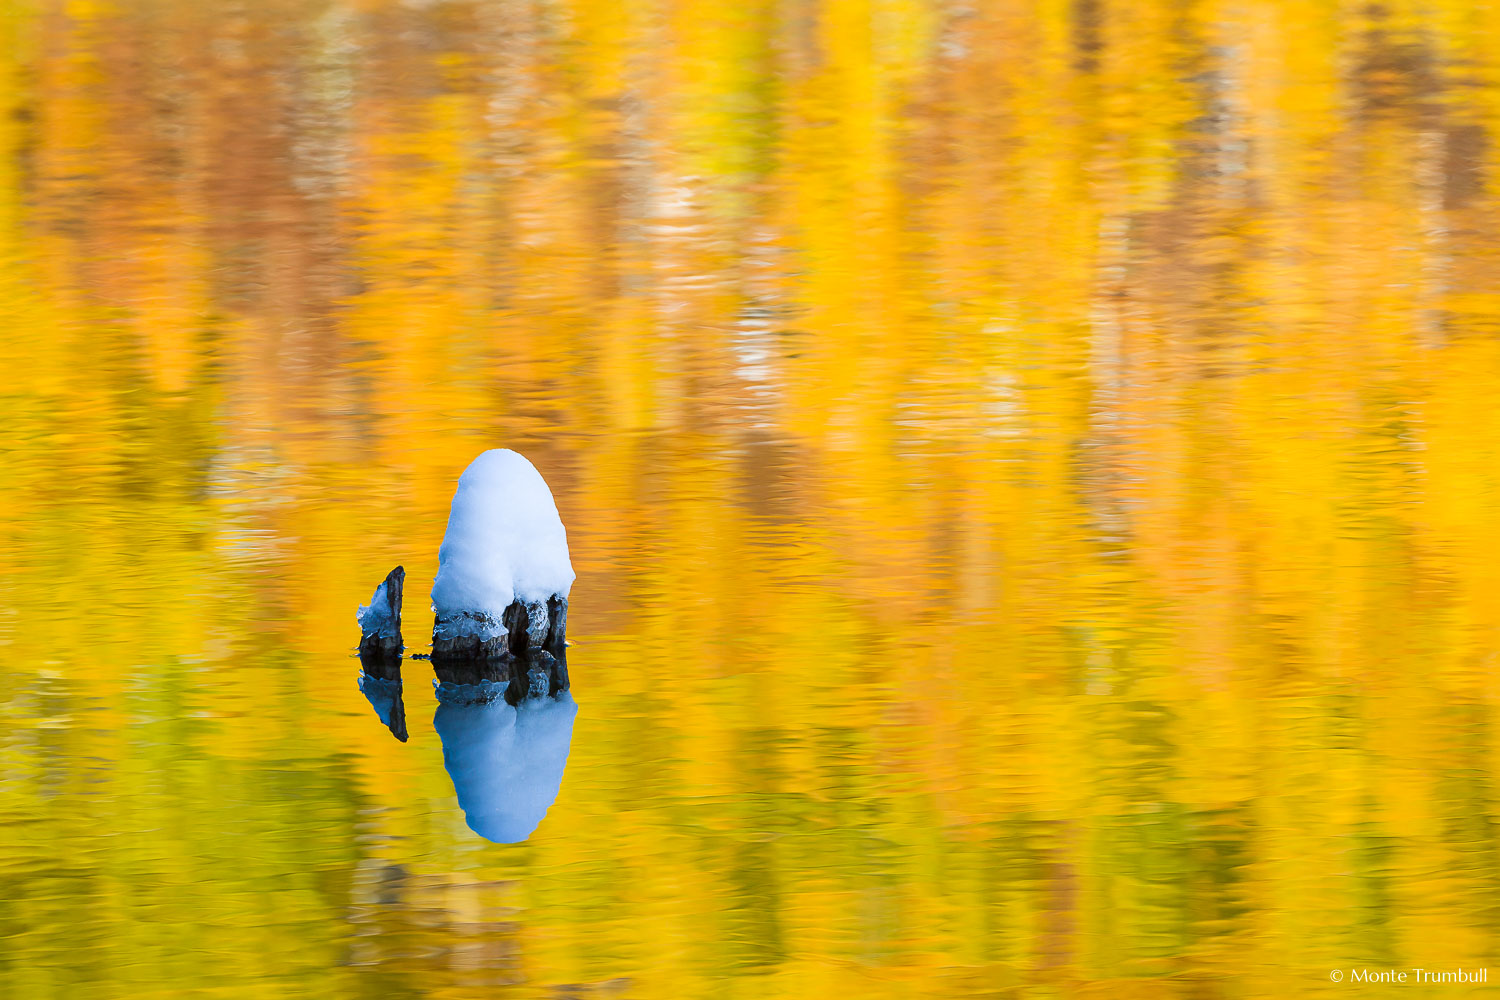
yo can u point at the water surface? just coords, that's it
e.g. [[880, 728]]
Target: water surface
[[1032, 470]]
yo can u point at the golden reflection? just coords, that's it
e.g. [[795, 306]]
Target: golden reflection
[[1031, 470]]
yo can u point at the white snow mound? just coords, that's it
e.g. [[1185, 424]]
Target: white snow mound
[[375, 617], [504, 542]]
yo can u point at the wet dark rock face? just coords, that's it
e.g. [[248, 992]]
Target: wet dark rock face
[[526, 650]]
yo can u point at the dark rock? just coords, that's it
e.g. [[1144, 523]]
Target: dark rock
[[524, 650], [469, 635], [380, 659], [516, 619], [387, 643], [557, 627]]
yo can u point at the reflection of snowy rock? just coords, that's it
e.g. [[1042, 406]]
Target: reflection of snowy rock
[[384, 695], [506, 761], [501, 593], [380, 684]]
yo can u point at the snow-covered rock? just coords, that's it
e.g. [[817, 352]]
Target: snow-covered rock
[[380, 620], [375, 618], [505, 542]]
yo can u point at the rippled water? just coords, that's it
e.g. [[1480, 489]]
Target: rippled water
[[1032, 469]]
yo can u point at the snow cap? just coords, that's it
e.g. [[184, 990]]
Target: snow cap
[[505, 540]]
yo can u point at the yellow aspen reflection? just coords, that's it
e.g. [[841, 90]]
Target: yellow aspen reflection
[[1030, 469]]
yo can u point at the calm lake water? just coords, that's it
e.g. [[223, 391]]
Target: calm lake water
[[1032, 470]]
